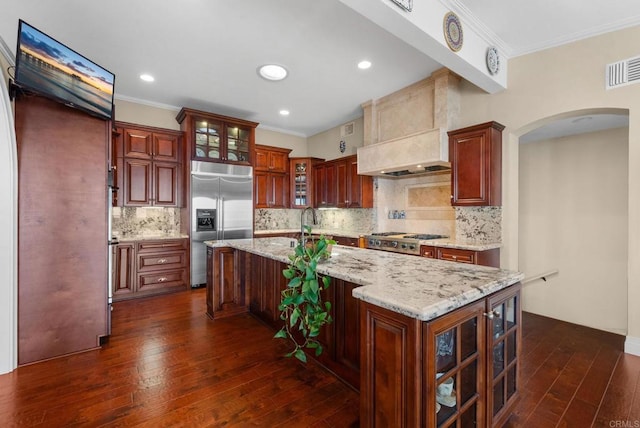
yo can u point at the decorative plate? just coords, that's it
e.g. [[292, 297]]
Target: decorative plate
[[453, 31], [493, 61]]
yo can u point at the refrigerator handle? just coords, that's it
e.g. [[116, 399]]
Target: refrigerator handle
[[221, 218]]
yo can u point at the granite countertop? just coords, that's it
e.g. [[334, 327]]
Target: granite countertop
[[150, 237], [446, 243], [418, 287], [327, 232]]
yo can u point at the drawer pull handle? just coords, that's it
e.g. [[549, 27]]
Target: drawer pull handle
[[162, 261], [162, 279]]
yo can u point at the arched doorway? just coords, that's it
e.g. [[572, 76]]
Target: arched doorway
[[573, 217]]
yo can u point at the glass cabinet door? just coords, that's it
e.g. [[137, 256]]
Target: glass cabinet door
[[237, 144], [454, 373], [503, 345], [299, 174], [207, 139]]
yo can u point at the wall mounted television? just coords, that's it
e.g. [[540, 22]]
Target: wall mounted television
[[47, 67]]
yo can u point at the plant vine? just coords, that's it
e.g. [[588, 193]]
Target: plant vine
[[301, 306]]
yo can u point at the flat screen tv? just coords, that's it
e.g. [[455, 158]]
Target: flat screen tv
[[49, 68]]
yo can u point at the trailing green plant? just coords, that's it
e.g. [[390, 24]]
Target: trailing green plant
[[301, 307]]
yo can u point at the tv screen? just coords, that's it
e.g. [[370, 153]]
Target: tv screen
[[47, 67]]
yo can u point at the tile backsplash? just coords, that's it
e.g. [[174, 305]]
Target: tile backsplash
[[354, 220], [145, 222]]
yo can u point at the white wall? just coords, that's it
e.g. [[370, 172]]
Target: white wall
[[326, 145], [573, 216], [8, 232], [553, 83]]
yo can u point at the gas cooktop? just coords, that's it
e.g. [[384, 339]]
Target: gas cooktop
[[399, 242]]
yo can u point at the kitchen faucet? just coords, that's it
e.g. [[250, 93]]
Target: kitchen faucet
[[315, 221]]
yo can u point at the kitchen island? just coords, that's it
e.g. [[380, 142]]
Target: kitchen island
[[435, 342]]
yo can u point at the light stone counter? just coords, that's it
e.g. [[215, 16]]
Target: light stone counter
[[446, 243], [151, 237], [418, 287], [326, 232]]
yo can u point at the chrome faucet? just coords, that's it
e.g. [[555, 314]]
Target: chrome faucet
[[315, 221]]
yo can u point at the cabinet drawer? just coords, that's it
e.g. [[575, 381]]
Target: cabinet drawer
[[162, 280], [163, 260], [428, 251], [161, 245], [455, 255]]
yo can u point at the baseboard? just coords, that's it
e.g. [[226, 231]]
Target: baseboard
[[632, 345]]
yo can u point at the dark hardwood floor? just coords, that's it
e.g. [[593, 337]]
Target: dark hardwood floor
[[167, 364]]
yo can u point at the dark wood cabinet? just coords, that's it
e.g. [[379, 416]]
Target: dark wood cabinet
[[504, 339], [216, 138], [475, 154], [346, 320], [326, 190], [225, 287], [264, 288], [338, 185], [460, 369], [271, 190], [485, 258], [303, 183], [271, 177], [149, 165], [145, 144], [62, 206], [272, 159], [390, 381], [354, 191], [347, 241], [454, 371], [123, 270], [149, 267]]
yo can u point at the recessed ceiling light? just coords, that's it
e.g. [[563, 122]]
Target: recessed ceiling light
[[284, 112], [147, 77], [363, 65], [272, 72]]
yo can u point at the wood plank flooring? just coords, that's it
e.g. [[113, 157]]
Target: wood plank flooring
[[167, 364]]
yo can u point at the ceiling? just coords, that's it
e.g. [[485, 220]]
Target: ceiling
[[204, 53]]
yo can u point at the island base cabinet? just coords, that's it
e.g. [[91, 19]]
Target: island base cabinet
[[454, 371], [390, 377], [457, 370], [225, 286]]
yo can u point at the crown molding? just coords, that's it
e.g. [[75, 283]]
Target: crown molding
[[631, 21], [6, 53], [479, 27], [146, 103]]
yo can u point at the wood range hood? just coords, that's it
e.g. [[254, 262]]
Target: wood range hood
[[405, 133]]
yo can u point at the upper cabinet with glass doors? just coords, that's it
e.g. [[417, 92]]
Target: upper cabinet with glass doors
[[216, 138]]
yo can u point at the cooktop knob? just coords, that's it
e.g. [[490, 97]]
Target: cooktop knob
[[394, 244]]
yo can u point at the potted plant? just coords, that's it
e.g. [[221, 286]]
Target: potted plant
[[301, 307]]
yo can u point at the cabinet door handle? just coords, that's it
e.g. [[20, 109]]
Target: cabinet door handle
[[491, 314], [162, 279], [162, 261]]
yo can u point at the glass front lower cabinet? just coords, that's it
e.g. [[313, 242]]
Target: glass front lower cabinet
[[454, 377], [503, 344]]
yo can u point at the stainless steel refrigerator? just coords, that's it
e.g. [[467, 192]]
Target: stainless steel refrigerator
[[221, 208]]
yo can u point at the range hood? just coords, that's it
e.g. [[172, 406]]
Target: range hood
[[421, 153]]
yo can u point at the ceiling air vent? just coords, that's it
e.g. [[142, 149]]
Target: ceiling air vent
[[623, 73], [347, 129]]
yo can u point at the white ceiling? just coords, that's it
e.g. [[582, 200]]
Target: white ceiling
[[204, 53]]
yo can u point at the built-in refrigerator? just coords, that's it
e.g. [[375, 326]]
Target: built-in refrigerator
[[221, 208]]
